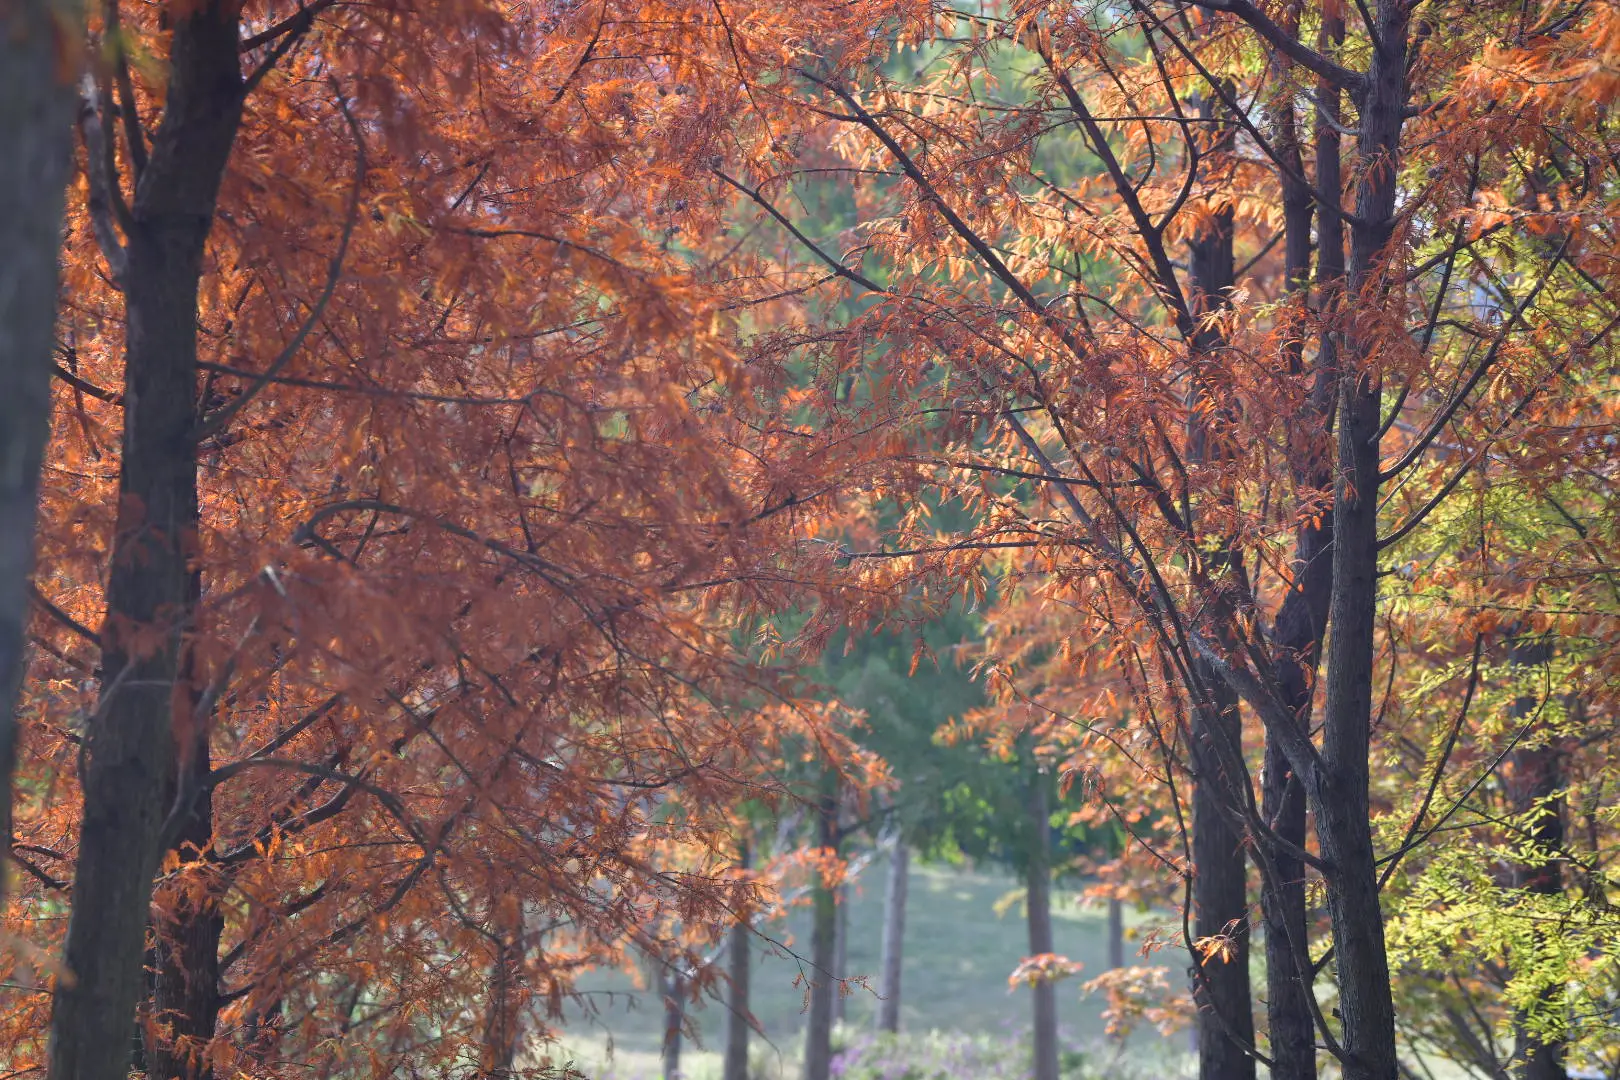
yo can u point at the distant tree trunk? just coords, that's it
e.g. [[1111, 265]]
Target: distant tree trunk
[[841, 951], [672, 984], [823, 932], [1536, 789], [36, 129], [894, 934], [738, 1014], [1039, 884], [148, 703], [1116, 933]]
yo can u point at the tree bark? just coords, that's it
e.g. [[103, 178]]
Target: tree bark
[[738, 1016], [1536, 789], [36, 128], [505, 1006], [1039, 909], [823, 932], [185, 1000], [1220, 899], [673, 987], [1302, 620], [1220, 887], [1340, 797], [894, 934], [148, 702]]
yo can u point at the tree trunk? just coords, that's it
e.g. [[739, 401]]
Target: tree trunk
[[738, 1016], [36, 128], [841, 951], [894, 934], [1116, 933], [185, 975], [823, 932], [1039, 908], [148, 700], [673, 986], [1341, 801], [501, 1026], [1302, 621], [1220, 899], [1220, 886], [1536, 788]]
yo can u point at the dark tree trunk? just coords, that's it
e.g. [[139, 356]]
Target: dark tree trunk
[[823, 944], [1220, 898], [1302, 620], [894, 935], [1116, 933], [673, 986], [1039, 883], [185, 974], [1536, 788], [148, 703], [1220, 887], [36, 128], [502, 1025], [1341, 797], [738, 1016], [1341, 800]]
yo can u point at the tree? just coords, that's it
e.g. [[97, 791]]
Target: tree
[[414, 665], [36, 108], [738, 1017], [1007, 371], [823, 978], [894, 933]]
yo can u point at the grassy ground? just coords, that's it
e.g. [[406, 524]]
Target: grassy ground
[[958, 955]]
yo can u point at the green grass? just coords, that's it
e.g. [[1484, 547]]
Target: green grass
[[958, 955]]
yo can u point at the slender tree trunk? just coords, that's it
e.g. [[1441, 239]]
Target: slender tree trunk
[[738, 1016], [823, 932], [1220, 900], [506, 968], [1039, 907], [894, 934], [673, 986], [1342, 807], [1116, 933], [1302, 621], [36, 128], [148, 700], [841, 950], [1536, 788], [1220, 885], [1341, 799], [185, 1003]]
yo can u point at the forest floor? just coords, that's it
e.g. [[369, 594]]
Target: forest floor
[[959, 952]]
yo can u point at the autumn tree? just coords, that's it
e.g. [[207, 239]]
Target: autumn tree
[[1214, 467], [403, 501]]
